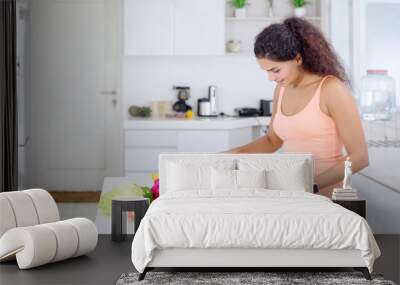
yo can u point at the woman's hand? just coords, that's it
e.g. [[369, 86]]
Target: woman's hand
[[231, 151]]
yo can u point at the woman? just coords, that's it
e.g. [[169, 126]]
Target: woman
[[313, 110]]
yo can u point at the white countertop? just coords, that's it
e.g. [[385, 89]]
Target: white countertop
[[197, 123]]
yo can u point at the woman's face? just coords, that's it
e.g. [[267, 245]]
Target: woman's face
[[282, 72]]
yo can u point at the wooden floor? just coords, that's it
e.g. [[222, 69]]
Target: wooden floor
[[110, 260]]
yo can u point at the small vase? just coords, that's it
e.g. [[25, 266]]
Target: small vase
[[240, 12], [300, 11], [233, 46], [270, 11]]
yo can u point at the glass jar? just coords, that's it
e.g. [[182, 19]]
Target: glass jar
[[378, 95]]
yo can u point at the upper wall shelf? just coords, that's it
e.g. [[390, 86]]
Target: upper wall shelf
[[240, 32], [265, 19]]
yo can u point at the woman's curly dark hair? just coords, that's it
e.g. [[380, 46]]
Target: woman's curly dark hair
[[282, 42]]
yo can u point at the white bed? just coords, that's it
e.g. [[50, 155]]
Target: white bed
[[224, 210]]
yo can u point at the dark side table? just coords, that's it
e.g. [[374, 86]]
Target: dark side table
[[120, 205], [357, 206]]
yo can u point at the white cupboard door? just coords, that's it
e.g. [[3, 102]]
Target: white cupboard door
[[203, 141], [148, 27], [199, 27]]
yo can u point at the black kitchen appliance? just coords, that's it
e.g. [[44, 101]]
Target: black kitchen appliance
[[183, 95], [266, 108], [247, 112]]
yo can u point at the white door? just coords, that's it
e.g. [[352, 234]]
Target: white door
[[76, 126]]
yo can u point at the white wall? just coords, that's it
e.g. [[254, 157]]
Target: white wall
[[340, 31], [383, 205], [239, 79]]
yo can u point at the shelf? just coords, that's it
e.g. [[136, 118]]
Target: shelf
[[257, 19], [264, 19], [241, 53]]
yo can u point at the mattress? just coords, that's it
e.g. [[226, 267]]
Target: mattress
[[250, 219]]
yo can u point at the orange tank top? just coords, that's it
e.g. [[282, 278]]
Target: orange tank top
[[310, 131]]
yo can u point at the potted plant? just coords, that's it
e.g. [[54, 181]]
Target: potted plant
[[299, 8], [239, 8]]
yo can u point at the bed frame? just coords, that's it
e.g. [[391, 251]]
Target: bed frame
[[248, 259]]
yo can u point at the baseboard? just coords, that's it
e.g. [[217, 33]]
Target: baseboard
[[76, 196]]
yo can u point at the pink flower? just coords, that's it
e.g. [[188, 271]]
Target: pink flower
[[155, 189]]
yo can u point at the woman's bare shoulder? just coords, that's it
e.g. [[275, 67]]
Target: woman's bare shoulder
[[334, 87], [336, 95], [334, 91]]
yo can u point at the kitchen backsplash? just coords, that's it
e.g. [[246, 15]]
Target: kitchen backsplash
[[239, 79]]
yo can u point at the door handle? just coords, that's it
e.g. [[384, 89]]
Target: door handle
[[25, 142], [109, 93]]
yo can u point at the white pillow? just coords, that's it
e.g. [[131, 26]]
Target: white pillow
[[251, 178], [236, 179], [187, 177], [193, 174], [289, 174], [287, 180], [223, 179]]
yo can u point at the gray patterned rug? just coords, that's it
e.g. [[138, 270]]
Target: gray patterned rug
[[230, 278]]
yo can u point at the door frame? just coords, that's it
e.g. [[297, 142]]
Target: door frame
[[114, 24]]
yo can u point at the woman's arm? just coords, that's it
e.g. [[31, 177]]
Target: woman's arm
[[266, 144], [343, 110]]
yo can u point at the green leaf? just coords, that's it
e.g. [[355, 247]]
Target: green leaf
[[238, 3], [299, 3], [147, 193], [124, 190]]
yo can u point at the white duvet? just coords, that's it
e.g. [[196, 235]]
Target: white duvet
[[250, 218]]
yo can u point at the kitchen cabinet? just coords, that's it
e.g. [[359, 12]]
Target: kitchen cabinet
[[142, 155], [174, 27], [145, 139], [199, 27], [148, 27]]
